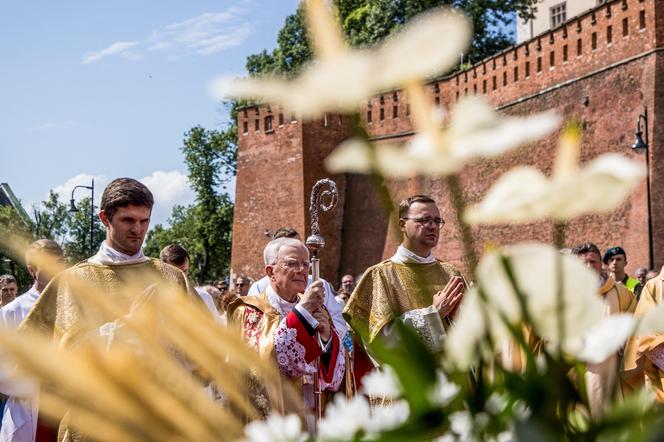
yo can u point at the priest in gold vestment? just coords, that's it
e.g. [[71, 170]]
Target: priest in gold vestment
[[118, 271], [645, 354], [412, 286]]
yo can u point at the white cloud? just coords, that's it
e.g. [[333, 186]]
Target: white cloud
[[168, 188], [82, 179], [205, 34], [117, 48]]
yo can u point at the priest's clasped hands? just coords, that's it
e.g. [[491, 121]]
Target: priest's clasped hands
[[313, 300], [447, 300]]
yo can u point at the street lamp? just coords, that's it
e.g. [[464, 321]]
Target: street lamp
[[640, 145], [73, 209]]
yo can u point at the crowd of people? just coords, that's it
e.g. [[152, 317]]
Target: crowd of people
[[310, 329]]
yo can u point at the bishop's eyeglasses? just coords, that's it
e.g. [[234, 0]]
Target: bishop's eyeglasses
[[426, 221], [295, 266]]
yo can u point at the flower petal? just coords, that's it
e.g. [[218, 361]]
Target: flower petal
[[342, 78], [420, 51], [516, 197], [477, 130], [603, 339], [524, 195]]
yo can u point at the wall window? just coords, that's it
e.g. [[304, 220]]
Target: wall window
[[268, 123], [281, 118], [625, 26], [257, 125], [245, 127], [609, 35], [558, 14], [564, 53]]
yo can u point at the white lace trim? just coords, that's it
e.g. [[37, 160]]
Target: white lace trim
[[290, 353]]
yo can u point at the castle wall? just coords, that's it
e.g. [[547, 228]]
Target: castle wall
[[604, 84]]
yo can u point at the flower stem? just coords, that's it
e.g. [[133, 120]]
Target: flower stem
[[459, 206], [559, 234], [559, 240]]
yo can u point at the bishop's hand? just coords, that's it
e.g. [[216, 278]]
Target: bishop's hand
[[447, 300], [324, 323], [313, 297]]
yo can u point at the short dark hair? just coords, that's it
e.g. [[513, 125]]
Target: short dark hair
[[586, 247], [285, 232], [7, 279], [123, 192], [174, 254], [404, 205], [41, 247]]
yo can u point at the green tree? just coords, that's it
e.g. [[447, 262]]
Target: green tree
[[203, 228], [77, 243], [16, 234], [52, 220], [368, 22]]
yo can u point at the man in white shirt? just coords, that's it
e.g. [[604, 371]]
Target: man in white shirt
[[20, 418]]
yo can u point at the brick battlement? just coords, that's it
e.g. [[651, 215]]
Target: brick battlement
[[608, 34]]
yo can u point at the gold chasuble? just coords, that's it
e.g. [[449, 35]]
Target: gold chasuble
[[258, 322], [63, 313], [645, 354], [389, 289]]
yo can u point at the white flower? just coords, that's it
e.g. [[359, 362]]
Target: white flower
[[276, 428], [382, 383], [524, 194], [444, 390], [475, 131], [343, 419], [603, 340], [341, 78], [388, 417], [461, 423], [537, 270]]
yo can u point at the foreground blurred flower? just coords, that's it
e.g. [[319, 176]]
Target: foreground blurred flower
[[524, 194], [344, 419], [341, 78], [444, 390], [276, 428], [537, 271], [347, 419], [475, 131], [382, 383]]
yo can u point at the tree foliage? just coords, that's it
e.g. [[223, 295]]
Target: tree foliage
[[203, 228], [368, 22]]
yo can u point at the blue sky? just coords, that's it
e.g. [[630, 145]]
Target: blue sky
[[108, 89]]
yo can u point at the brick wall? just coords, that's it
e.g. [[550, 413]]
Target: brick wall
[[618, 70]]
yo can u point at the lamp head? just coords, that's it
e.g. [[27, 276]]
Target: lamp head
[[72, 206], [639, 145]]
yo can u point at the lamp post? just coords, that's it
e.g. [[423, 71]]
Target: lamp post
[[73, 209], [642, 146]]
